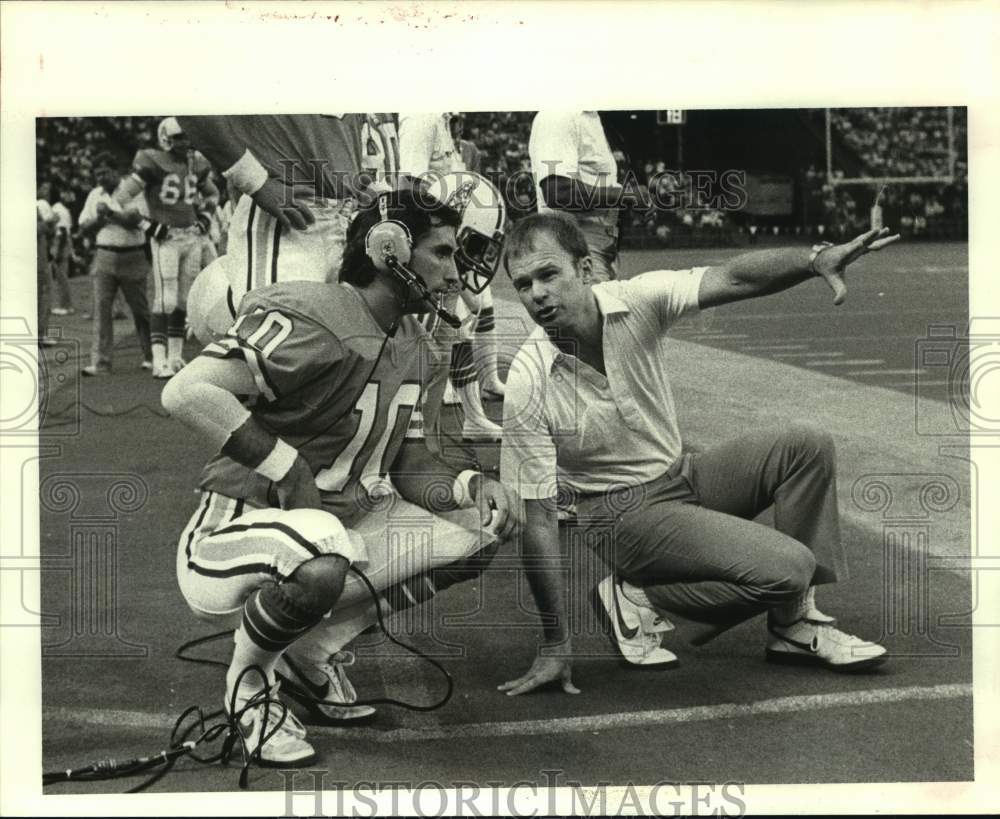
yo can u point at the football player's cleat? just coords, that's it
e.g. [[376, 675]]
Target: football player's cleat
[[163, 370], [634, 630], [324, 681], [281, 745], [480, 236]]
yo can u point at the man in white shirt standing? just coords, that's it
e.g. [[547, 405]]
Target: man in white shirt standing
[[119, 263], [575, 171], [589, 405]]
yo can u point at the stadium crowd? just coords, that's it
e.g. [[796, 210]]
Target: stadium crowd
[[893, 142]]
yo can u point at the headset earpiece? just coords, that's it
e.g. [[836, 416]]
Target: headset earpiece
[[388, 239]]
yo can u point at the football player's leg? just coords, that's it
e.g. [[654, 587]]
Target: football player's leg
[[189, 265], [412, 555], [262, 253], [166, 269], [476, 425], [485, 347], [278, 571]]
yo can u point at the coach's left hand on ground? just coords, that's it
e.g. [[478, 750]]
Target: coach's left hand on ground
[[831, 263], [543, 670]]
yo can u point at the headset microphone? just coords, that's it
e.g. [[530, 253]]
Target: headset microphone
[[388, 245]]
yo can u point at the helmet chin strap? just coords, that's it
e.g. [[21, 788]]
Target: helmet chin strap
[[413, 282]]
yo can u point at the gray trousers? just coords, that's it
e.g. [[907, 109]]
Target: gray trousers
[[113, 270], [689, 540]]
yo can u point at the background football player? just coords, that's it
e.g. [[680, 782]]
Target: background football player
[[172, 178], [429, 147], [304, 482]]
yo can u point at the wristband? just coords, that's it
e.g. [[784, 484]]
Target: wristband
[[276, 465], [247, 175], [461, 490]]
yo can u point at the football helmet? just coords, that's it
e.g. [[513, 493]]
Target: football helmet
[[480, 236], [170, 135], [211, 308]]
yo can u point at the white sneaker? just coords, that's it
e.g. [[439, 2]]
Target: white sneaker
[[809, 643], [281, 745], [635, 631], [163, 370], [325, 681], [146, 365]]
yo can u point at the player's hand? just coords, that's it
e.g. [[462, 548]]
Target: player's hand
[[204, 223], [832, 262], [543, 671], [155, 230], [298, 490], [499, 507], [289, 204], [103, 210]]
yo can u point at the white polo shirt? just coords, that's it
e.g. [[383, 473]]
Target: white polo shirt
[[564, 421], [112, 235], [571, 144]]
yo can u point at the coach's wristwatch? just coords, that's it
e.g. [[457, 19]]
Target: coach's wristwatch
[[816, 250]]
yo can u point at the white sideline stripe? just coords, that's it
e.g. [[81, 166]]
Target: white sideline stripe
[[775, 347], [562, 725], [923, 383], [847, 362], [885, 372], [713, 336], [810, 354]]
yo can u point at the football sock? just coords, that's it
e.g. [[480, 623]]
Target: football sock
[[175, 333], [785, 614], [158, 338], [271, 622], [484, 351]]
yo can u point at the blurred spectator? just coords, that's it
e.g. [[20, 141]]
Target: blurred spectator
[[576, 172], [45, 222], [62, 251], [119, 263]]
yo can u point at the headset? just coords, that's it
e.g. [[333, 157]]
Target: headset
[[389, 245]]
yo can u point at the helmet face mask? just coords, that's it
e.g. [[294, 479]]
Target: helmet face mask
[[480, 236], [478, 257]]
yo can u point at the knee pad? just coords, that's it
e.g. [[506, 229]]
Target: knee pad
[[315, 586]]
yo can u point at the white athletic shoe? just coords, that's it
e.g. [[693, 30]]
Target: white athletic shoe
[[287, 747], [635, 631], [805, 642], [324, 681], [163, 370]]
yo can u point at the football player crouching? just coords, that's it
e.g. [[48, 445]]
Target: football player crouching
[[299, 496]]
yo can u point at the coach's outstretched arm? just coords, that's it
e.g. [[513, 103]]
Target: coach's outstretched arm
[[770, 271]]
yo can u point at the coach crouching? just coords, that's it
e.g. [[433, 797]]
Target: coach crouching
[[589, 404]]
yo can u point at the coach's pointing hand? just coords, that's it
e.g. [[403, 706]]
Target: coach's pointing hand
[[831, 262], [286, 203]]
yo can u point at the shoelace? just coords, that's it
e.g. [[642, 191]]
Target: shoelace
[[841, 636], [334, 669]]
